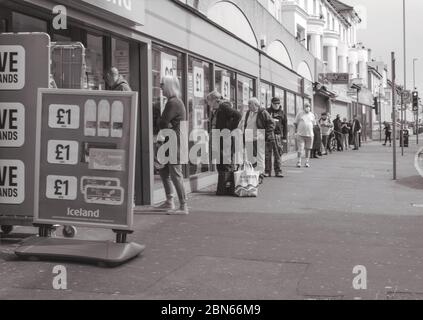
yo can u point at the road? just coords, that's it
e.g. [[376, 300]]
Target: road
[[300, 239]]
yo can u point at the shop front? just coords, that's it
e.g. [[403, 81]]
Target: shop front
[[148, 40], [323, 99]]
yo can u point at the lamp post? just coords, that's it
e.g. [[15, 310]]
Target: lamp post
[[380, 113], [405, 76], [417, 112], [414, 73], [403, 104]]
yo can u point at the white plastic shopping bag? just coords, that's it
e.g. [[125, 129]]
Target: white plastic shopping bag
[[246, 181]]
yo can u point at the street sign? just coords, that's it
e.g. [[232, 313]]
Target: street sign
[[20, 78], [334, 78], [406, 96], [85, 160]]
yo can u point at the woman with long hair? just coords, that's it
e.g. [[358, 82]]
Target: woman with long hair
[[173, 113]]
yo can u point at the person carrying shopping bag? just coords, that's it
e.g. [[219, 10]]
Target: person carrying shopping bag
[[258, 128], [224, 117]]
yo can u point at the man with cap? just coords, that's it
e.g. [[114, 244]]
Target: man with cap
[[275, 147]]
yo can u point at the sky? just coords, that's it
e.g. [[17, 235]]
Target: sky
[[382, 31]]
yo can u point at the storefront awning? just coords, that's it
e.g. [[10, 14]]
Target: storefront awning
[[323, 91]]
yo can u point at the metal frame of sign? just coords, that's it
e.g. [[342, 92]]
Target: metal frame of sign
[[130, 171]]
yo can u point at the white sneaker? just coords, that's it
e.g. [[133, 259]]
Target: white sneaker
[[307, 165], [167, 205], [299, 164], [183, 210]]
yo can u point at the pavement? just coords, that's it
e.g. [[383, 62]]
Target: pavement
[[302, 238]]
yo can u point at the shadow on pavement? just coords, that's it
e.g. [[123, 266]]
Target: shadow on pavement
[[414, 182]]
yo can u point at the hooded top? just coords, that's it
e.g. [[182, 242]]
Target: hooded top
[[121, 85]]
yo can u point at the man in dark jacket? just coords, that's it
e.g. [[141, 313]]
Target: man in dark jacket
[[224, 116], [115, 81], [356, 127], [337, 125], [275, 147]]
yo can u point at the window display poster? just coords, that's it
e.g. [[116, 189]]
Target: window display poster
[[263, 97], [245, 93], [20, 79], [169, 65], [226, 87], [85, 171], [198, 82], [122, 61]]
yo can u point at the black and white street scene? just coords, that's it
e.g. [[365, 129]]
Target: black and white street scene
[[203, 150]]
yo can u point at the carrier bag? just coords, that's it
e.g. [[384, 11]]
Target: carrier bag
[[246, 181]]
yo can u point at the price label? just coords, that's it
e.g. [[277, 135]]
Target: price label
[[61, 188], [63, 116], [62, 152]]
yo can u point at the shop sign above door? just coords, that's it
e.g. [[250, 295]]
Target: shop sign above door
[[129, 10], [335, 78]]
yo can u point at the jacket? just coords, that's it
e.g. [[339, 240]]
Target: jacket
[[337, 124], [173, 113], [356, 127], [227, 117], [281, 126], [326, 126], [264, 122], [121, 85]]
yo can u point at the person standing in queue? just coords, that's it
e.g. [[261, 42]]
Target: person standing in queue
[[258, 121], [275, 148], [337, 128], [173, 113], [224, 117], [356, 129], [115, 81]]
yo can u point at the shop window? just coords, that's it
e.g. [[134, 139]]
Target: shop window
[[3, 25], [291, 114], [95, 62], [24, 23], [225, 83], [199, 80], [280, 93], [300, 103], [245, 92], [120, 57], [165, 61], [265, 95]]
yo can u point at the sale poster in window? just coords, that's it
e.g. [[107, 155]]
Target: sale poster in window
[[169, 65], [226, 89], [198, 82], [245, 93]]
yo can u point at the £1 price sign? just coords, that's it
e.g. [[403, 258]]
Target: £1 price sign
[[85, 159]]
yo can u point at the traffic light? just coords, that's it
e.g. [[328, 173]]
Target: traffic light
[[376, 105], [415, 101]]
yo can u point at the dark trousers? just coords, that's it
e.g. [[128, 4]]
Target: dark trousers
[[338, 137], [388, 137], [356, 140], [274, 149]]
